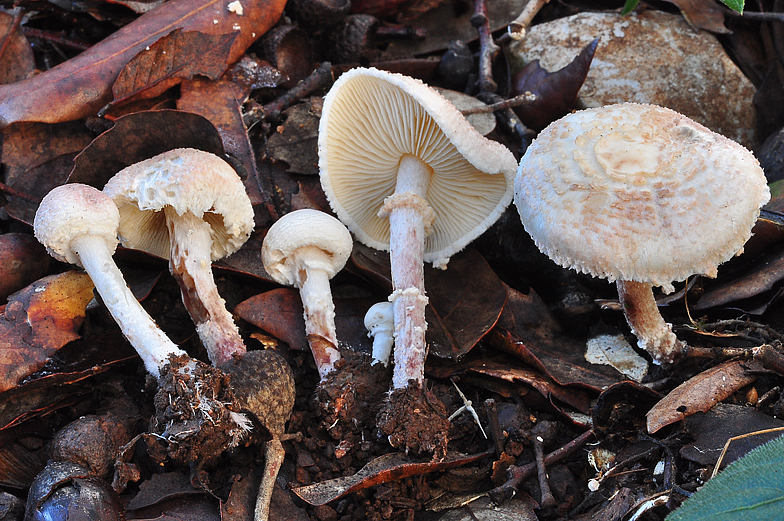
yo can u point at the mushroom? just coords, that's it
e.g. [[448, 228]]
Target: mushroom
[[78, 225], [190, 207], [304, 249], [404, 170], [380, 323], [643, 196]]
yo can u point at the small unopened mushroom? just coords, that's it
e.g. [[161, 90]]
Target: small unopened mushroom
[[78, 225], [405, 171], [304, 249], [380, 323], [643, 196], [190, 207]]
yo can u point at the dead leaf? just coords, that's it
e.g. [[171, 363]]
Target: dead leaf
[[80, 86], [465, 300], [140, 136], [16, 61], [177, 56], [703, 15], [295, 141], [556, 92], [701, 392], [38, 321], [389, 467]]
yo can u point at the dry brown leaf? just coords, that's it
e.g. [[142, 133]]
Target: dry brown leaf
[[178, 55], [701, 392], [80, 86], [703, 15], [38, 321], [17, 61]]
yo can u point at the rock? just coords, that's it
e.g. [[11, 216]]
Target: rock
[[649, 57]]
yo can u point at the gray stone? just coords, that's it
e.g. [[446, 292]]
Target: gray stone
[[649, 57]]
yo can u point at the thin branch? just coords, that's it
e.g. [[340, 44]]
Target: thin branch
[[488, 48], [516, 29]]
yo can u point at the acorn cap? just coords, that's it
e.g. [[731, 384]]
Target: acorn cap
[[185, 179], [638, 193], [372, 118]]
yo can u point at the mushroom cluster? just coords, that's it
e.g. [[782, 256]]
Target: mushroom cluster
[[405, 172], [643, 196]]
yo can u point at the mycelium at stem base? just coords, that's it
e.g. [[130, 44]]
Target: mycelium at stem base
[[410, 219], [190, 263], [642, 314]]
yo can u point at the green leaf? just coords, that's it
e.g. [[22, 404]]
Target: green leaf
[[750, 488], [629, 6], [735, 5]]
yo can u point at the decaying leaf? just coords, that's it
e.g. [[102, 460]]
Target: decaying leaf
[[703, 15], [556, 92], [177, 56], [700, 393], [295, 140], [38, 321], [16, 61], [389, 467], [82, 85]]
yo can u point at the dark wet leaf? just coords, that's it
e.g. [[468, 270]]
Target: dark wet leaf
[[556, 92], [389, 467], [295, 140], [161, 487], [38, 321], [177, 56], [22, 261], [701, 392], [621, 408], [465, 300], [707, 15], [711, 431], [36, 183], [140, 136], [749, 489]]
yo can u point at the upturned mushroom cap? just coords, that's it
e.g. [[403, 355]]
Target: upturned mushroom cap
[[72, 210], [370, 120], [184, 179], [638, 193], [302, 229]]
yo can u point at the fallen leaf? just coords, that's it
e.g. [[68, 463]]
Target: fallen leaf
[[703, 15], [484, 509], [389, 467], [701, 392], [16, 61], [82, 85], [38, 321], [556, 92], [140, 136], [621, 408], [294, 142], [177, 56]]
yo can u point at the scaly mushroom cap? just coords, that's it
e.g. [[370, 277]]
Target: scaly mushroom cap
[[303, 229], [638, 193], [370, 119], [72, 210], [186, 180]]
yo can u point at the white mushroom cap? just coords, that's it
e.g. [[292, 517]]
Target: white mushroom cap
[[638, 193], [184, 179], [283, 246], [73, 210], [370, 119]]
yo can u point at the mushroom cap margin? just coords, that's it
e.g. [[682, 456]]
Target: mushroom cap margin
[[72, 210], [185, 179], [638, 192], [483, 186]]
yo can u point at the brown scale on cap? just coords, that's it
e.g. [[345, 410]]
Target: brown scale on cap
[[643, 196]]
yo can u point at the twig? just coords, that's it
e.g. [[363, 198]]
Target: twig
[[517, 474], [755, 16], [488, 48], [16, 193], [522, 99], [547, 500], [508, 119], [317, 79], [516, 29]]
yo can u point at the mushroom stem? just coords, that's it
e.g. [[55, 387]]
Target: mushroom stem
[[410, 218], [379, 321], [653, 334], [190, 263], [319, 308], [152, 344]]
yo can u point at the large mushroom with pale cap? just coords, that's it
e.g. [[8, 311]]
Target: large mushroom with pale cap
[[405, 172], [643, 196], [188, 206]]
